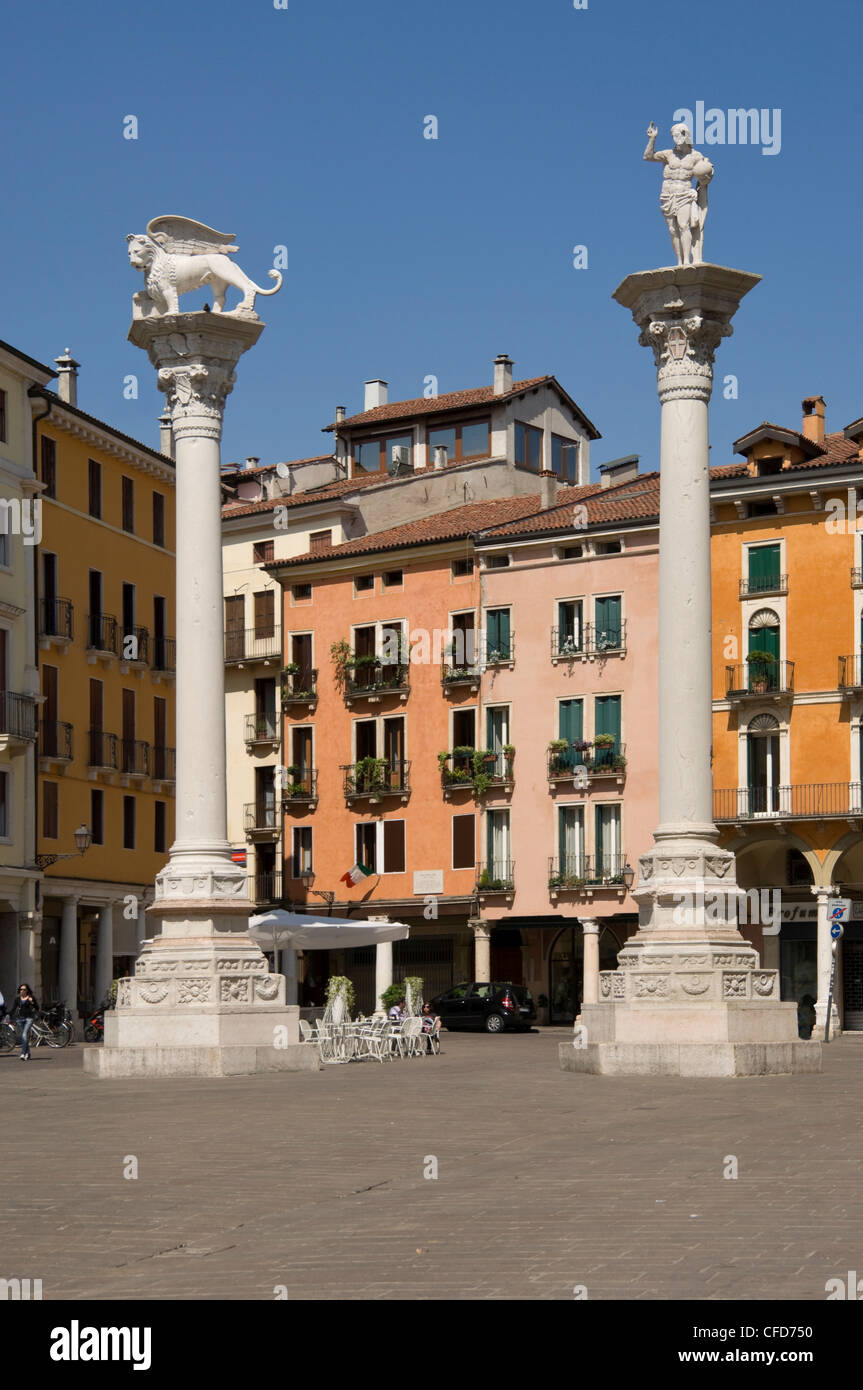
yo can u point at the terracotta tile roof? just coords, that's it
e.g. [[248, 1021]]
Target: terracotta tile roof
[[459, 400], [325, 493], [239, 471], [452, 525], [629, 501], [835, 451]]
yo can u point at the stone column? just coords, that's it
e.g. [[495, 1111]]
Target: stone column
[[202, 1000], [68, 964], [383, 969], [688, 996], [105, 952], [824, 961], [481, 948], [590, 972]]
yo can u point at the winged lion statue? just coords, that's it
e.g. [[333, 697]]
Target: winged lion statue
[[177, 255]]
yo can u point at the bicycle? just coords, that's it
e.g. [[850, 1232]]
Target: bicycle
[[59, 1035]]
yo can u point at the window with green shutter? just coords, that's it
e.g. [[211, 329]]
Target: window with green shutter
[[570, 724], [607, 622], [763, 568], [497, 634]]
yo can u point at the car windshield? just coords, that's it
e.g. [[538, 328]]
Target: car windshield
[[519, 993]]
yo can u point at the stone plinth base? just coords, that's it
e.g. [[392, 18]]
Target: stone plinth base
[[108, 1063], [692, 1059]]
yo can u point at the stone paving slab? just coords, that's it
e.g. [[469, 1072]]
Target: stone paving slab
[[546, 1180]]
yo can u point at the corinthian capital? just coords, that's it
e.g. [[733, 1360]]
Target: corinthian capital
[[684, 349], [195, 397]]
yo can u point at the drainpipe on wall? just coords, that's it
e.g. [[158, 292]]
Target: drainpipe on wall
[[36, 394]]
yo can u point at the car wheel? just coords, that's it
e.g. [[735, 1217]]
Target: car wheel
[[494, 1024]]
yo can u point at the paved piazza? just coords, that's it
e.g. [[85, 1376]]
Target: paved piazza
[[545, 1180]]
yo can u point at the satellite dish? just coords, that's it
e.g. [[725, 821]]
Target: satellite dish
[[283, 470]]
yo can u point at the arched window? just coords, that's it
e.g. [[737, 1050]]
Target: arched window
[[763, 651], [762, 765], [566, 969]]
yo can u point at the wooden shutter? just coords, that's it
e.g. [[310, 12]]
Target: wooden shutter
[[94, 487], [49, 810], [265, 613], [96, 705], [158, 518], [763, 566], [128, 504], [235, 617], [463, 842], [394, 846], [607, 715], [608, 619]]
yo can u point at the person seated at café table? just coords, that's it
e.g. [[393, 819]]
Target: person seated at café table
[[396, 1014], [431, 1021]]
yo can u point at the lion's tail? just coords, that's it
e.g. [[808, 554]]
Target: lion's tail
[[274, 275]]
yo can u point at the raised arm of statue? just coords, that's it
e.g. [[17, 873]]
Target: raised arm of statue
[[651, 152]]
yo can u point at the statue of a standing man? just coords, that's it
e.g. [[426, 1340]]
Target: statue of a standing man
[[683, 207]]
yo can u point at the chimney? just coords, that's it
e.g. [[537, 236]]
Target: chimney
[[166, 436], [548, 483], [502, 374], [814, 421], [440, 456], [376, 394], [251, 462], [621, 470], [340, 414], [67, 371]]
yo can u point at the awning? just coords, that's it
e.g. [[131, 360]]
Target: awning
[[307, 932]]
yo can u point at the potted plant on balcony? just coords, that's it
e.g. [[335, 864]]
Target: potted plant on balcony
[[509, 755], [342, 658], [370, 776], [558, 749], [760, 670]]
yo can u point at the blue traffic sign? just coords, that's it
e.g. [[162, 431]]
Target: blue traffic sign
[[836, 930]]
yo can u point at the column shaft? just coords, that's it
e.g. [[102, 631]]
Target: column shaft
[[383, 969], [105, 952], [69, 955], [590, 973]]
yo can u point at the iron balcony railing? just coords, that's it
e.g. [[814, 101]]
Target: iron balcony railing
[[799, 801], [104, 749], [301, 784], [502, 655], [163, 761], [574, 872], [376, 777], [261, 815], [765, 584], [495, 876], [253, 643], [589, 640], [56, 618], [262, 727], [459, 675], [299, 685], [265, 886], [135, 644], [55, 740], [759, 678], [463, 765], [857, 578], [851, 672], [599, 759], [375, 677], [17, 715], [135, 757], [164, 654], [102, 633]]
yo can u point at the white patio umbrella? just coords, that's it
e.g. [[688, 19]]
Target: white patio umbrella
[[302, 931]]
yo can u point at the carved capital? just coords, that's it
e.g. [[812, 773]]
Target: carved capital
[[684, 349], [195, 398]]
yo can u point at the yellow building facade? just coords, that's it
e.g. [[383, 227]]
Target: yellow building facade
[[106, 758], [788, 697]]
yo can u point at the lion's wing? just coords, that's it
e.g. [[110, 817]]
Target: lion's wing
[[185, 236]]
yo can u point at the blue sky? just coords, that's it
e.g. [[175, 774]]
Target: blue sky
[[408, 256]]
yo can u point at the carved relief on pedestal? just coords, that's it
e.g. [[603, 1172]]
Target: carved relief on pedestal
[[734, 986], [124, 993], [695, 984], [651, 986], [194, 991], [605, 980], [267, 988], [618, 986], [235, 989], [154, 992], [764, 982]]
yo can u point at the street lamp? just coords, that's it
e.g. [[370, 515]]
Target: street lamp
[[628, 876], [307, 878], [83, 839]]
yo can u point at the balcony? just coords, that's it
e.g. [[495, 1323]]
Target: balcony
[[453, 677], [476, 770], [262, 820], [588, 643], [248, 645], [754, 680], [55, 745], [164, 659], [599, 759], [851, 674], [134, 648], [800, 801], [301, 786], [857, 579], [103, 634], [17, 722], [299, 688], [134, 758], [265, 887], [586, 874], [103, 753], [368, 679], [495, 876], [500, 656], [262, 730], [56, 623], [163, 765], [375, 778], [767, 584]]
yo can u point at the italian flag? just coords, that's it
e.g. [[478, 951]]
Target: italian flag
[[355, 875]]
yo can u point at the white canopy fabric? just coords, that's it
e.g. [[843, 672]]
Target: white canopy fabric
[[308, 932]]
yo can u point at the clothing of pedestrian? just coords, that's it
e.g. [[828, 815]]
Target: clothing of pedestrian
[[25, 1009]]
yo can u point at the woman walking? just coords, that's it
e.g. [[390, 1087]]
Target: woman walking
[[26, 1008]]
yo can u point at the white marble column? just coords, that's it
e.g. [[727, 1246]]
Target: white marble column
[[481, 949], [383, 969], [104, 952], [68, 964], [823, 963], [590, 969]]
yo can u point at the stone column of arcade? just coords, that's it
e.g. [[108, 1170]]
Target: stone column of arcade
[[202, 1000], [688, 996]]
